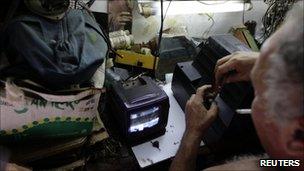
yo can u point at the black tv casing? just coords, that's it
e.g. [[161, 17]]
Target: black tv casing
[[188, 76], [124, 102]]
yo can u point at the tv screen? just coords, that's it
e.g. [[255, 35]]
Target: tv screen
[[144, 119]]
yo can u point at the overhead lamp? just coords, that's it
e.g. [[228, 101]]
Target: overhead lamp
[[195, 7]]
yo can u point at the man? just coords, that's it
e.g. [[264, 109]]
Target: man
[[277, 110], [120, 16]]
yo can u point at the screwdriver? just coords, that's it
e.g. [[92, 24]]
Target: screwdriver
[[217, 88], [243, 111]]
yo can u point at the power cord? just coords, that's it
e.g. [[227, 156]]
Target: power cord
[[161, 27], [243, 15], [160, 34], [167, 10], [275, 15], [210, 17]]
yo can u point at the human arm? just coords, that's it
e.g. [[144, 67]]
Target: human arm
[[14, 167], [120, 20], [239, 62], [198, 120]]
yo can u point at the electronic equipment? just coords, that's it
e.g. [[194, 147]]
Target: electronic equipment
[[141, 109], [236, 95], [173, 50], [136, 59], [188, 76]]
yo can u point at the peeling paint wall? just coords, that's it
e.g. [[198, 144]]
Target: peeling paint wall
[[146, 28]]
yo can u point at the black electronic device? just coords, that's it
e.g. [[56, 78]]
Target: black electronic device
[[186, 79], [141, 109], [236, 95], [173, 50], [188, 76]]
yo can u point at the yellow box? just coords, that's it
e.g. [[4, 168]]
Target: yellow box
[[137, 59]]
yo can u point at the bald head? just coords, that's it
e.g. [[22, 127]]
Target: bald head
[[288, 39], [285, 75], [278, 81]]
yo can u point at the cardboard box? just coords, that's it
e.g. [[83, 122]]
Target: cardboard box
[[27, 114]]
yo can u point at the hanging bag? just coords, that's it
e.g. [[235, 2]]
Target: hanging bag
[[55, 54]]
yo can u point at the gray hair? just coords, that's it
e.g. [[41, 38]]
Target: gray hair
[[285, 75]]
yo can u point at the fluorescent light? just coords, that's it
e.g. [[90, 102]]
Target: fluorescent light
[[195, 7]]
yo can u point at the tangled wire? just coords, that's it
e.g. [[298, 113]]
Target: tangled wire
[[275, 15]]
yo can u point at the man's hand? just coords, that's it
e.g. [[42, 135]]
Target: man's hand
[[122, 18], [14, 167], [198, 118], [239, 62]]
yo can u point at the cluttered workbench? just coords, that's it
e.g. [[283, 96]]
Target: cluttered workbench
[[165, 146], [145, 121], [97, 101]]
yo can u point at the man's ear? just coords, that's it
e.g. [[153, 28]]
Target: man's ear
[[295, 145]]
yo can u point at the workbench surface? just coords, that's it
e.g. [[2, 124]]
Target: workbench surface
[[146, 154]]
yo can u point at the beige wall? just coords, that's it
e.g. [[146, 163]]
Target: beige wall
[[146, 28]]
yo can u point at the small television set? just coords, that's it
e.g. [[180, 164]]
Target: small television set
[[141, 108]]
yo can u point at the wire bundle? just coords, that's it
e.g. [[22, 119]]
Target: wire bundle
[[275, 15]]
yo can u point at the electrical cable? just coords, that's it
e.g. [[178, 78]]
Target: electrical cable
[[104, 35], [160, 34], [275, 15], [243, 15], [167, 10], [161, 26], [90, 3], [206, 33]]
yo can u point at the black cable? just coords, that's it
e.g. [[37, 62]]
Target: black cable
[[161, 26], [160, 33], [206, 32], [104, 34], [243, 19], [275, 15], [167, 10], [90, 3]]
